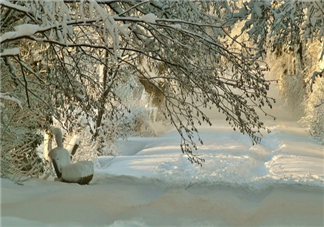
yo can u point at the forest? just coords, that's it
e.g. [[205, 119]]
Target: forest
[[105, 70]]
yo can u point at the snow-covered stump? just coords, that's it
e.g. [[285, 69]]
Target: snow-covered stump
[[60, 157], [80, 172]]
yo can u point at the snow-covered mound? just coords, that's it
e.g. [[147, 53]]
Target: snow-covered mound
[[80, 172], [60, 158]]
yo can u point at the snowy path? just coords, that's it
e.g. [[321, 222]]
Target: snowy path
[[286, 155]]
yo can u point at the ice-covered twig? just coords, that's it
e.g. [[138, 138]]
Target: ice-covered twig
[[318, 105]]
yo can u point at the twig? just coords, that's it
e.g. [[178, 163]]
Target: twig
[[318, 105], [126, 11], [25, 80], [190, 184], [316, 73]]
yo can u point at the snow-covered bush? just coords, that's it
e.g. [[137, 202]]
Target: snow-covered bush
[[20, 126], [19, 140]]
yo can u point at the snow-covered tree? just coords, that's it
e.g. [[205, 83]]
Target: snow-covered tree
[[295, 32], [65, 59]]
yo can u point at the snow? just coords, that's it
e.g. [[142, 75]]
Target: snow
[[257, 10], [10, 52], [176, 26], [20, 31], [26, 29], [230, 158], [7, 96], [14, 6], [279, 182], [61, 156], [149, 18], [242, 13], [74, 141], [74, 172]]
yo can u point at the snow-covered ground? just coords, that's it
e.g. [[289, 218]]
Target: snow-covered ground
[[285, 156], [279, 182]]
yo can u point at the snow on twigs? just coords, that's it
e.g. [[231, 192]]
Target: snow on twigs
[[26, 29], [176, 26], [20, 31], [14, 6], [257, 9], [110, 26], [9, 97], [149, 18], [10, 52]]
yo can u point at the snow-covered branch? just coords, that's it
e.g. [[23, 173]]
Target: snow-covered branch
[[9, 97], [15, 7], [10, 52], [98, 1]]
